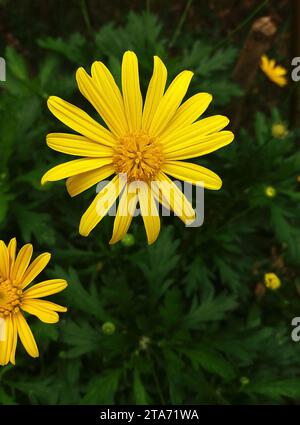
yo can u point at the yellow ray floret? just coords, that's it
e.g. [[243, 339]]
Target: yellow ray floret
[[17, 272], [143, 141], [275, 73]]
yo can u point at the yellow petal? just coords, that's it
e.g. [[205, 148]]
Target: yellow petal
[[79, 121], [51, 306], [126, 209], [100, 100], [14, 341], [189, 111], [193, 173], [4, 260], [111, 98], [71, 168], [170, 102], [264, 61], [281, 81], [171, 197], [101, 205], [149, 212], [155, 92], [12, 247], [22, 262], [36, 309], [132, 96], [7, 344], [280, 70], [84, 181], [73, 144], [26, 335], [35, 268], [193, 132], [195, 147], [45, 288]]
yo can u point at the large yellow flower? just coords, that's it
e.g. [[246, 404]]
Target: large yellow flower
[[275, 73], [16, 273], [143, 142]]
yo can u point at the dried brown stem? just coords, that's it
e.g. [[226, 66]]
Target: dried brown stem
[[257, 43]]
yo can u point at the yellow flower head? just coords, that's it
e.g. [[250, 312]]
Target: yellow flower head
[[270, 191], [142, 141], [275, 73], [272, 281], [16, 274], [279, 130]]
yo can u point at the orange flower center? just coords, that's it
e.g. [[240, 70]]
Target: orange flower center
[[139, 156], [10, 297]]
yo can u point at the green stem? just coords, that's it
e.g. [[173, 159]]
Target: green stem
[[86, 16], [180, 24], [148, 8], [243, 23], [156, 380]]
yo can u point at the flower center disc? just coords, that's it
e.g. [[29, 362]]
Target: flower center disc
[[139, 156], [10, 297]]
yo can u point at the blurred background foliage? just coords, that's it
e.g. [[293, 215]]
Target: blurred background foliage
[[187, 320]]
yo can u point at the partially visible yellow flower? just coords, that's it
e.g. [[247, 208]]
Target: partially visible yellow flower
[[279, 130], [272, 281], [275, 73], [270, 191], [298, 179], [16, 274], [145, 141]]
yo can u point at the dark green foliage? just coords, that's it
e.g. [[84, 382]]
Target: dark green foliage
[[190, 326]]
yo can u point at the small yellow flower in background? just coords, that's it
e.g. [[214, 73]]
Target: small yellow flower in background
[[270, 191], [272, 281], [16, 274], [275, 73], [145, 141], [298, 179], [279, 130]]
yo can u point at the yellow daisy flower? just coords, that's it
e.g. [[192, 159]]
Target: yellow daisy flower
[[272, 281], [279, 130], [145, 142], [16, 273], [275, 73]]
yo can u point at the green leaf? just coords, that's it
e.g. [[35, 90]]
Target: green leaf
[[79, 297], [161, 259], [102, 389], [275, 389], [140, 394], [36, 224], [81, 337], [16, 64], [211, 361], [211, 309]]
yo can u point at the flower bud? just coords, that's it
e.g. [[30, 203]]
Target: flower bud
[[128, 240], [108, 328]]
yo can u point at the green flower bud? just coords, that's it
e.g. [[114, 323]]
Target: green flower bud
[[128, 240], [108, 328], [244, 380]]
